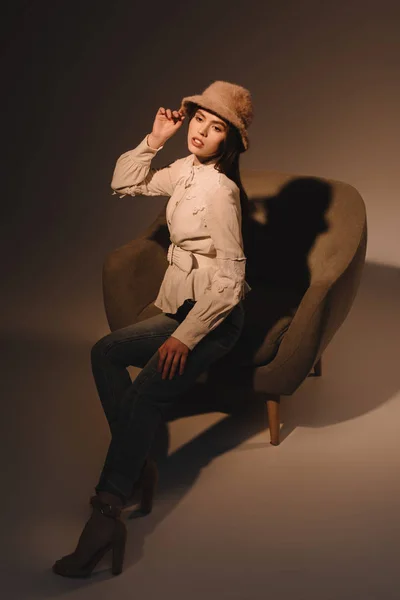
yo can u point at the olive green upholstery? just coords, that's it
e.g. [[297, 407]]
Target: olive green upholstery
[[305, 247]]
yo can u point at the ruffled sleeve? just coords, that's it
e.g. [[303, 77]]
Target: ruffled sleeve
[[223, 221], [133, 174]]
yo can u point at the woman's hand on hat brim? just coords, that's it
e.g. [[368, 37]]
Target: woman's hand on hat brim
[[167, 122]]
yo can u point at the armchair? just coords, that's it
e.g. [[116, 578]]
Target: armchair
[[305, 247]]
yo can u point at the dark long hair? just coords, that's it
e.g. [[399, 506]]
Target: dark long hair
[[227, 162]]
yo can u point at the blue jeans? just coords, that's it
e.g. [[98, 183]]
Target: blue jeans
[[134, 409]]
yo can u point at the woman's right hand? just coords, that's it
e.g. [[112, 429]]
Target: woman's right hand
[[166, 123]]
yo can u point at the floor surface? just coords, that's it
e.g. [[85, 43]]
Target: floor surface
[[316, 518]]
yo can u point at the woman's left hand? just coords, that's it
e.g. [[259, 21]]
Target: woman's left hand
[[172, 354]]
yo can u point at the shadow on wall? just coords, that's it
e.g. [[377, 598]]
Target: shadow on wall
[[282, 230]]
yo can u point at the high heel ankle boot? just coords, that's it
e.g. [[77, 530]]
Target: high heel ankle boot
[[69, 566], [147, 484]]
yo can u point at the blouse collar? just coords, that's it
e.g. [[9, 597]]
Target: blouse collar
[[201, 166], [197, 169]]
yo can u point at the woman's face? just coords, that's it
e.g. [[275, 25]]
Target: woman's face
[[208, 129]]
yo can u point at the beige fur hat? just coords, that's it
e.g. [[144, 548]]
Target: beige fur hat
[[230, 101]]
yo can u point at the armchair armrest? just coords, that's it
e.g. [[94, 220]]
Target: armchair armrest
[[299, 346], [321, 312], [132, 276]]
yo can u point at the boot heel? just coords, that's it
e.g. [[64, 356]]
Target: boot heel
[[118, 551], [149, 485]]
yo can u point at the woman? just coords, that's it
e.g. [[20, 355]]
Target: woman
[[200, 298]]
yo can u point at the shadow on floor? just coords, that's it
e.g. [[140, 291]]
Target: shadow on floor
[[54, 434]]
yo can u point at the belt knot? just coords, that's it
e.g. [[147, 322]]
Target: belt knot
[[180, 257]]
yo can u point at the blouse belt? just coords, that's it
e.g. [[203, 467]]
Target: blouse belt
[[186, 260]]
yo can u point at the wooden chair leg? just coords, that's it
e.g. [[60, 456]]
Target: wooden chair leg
[[274, 419]]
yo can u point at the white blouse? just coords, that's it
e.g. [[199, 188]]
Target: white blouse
[[206, 258]]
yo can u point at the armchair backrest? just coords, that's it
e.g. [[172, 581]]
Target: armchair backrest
[[301, 230]]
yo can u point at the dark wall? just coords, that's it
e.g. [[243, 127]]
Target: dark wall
[[84, 80]]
